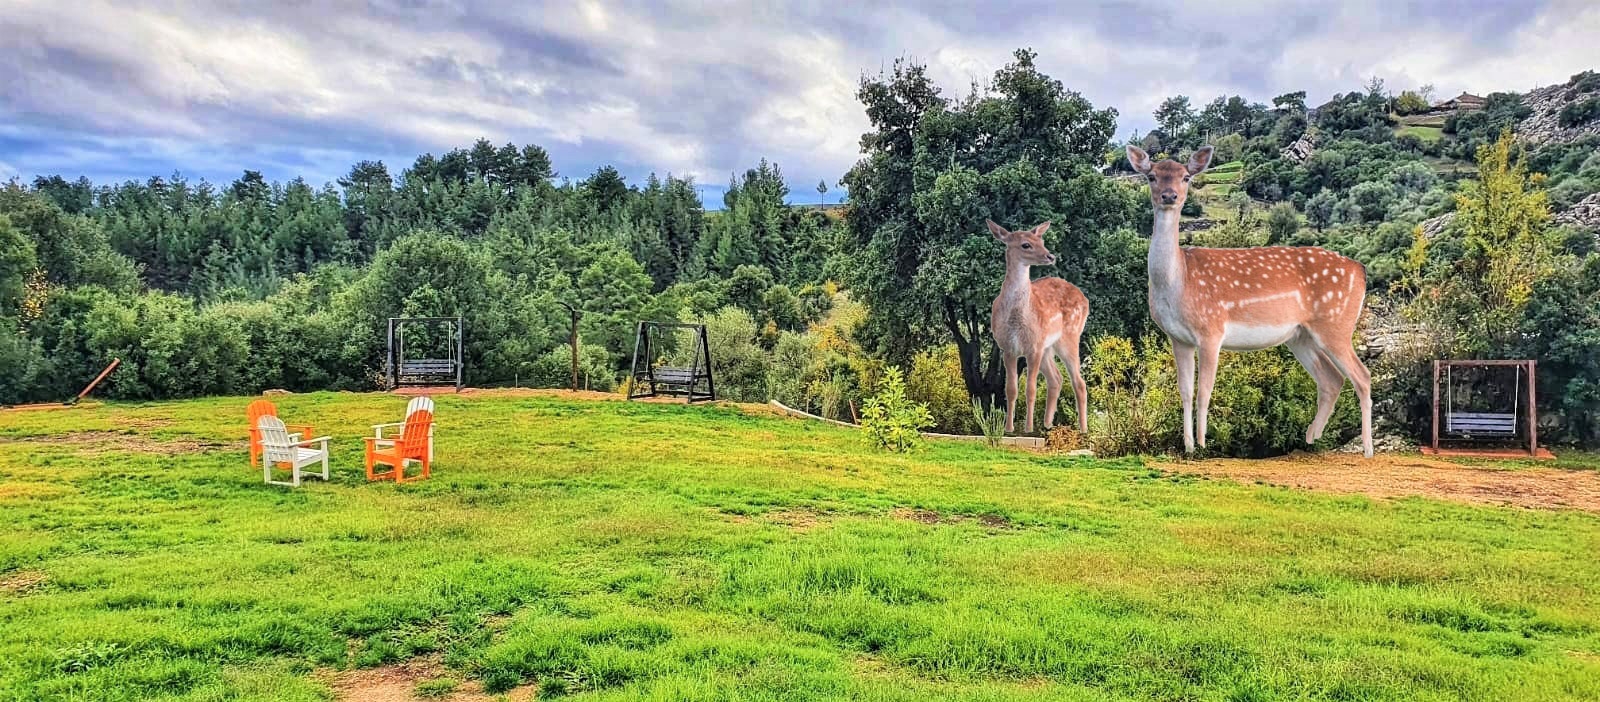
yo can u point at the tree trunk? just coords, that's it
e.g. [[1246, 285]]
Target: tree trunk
[[985, 384]]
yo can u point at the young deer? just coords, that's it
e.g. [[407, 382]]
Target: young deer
[[1206, 300], [1038, 320]]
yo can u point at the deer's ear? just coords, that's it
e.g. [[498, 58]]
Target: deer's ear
[[1200, 159], [1041, 229], [1139, 159], [998, 231]]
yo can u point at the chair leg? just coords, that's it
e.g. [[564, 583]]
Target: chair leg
[[324, 466]]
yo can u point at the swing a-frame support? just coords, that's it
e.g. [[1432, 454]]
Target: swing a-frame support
[[1521, 423]]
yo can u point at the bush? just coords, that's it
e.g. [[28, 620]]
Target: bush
[[935, 380], [890, 420], [1578, 113], [739, 363], [1260, 405], [1134, 397], [553, 369]]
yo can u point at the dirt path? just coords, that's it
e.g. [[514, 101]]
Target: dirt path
[[1407, 475]]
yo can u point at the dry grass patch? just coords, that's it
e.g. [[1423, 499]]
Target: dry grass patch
[[101, 442], [22, 582]]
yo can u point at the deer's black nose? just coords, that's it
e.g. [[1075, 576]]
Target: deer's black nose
[[1169, 197]]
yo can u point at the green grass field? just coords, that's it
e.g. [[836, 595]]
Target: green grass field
[[1425, 133], [617, 551]]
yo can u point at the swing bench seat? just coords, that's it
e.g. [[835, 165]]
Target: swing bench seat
[[428, 368], [676, 376], [1481, 423]]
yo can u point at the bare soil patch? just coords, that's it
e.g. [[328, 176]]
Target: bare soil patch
[[928, 516], [95, 442], [1410, 475], [398, 683], [21, 582]]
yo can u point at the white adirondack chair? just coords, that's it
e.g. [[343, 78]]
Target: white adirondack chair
[[421, 402], [279, 447]]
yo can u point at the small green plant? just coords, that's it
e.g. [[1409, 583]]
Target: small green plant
[[438, 687], [87, 655], [991, 422], [890, 420]]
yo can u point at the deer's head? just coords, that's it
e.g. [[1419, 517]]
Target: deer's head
[[1027, 245], [1169, 180]]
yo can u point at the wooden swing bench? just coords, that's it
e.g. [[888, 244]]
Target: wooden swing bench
[[439, 371], [1520, 425], [693, 383], [1487, 424]]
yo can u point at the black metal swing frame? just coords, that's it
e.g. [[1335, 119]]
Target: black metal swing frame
[[694, 384], [425, 372]]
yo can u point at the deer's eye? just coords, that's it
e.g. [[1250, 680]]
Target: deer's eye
[[1151, 178], [1186, 178], [1027, 246]]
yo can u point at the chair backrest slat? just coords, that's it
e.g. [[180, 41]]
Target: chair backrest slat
[[275, 444], [419, 403], [414, 438], [257, 410]]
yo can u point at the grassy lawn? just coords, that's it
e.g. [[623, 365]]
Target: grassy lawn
[[1425, 133], [634, 551]]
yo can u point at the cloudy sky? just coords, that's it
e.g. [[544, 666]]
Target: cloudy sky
[[128, 90]]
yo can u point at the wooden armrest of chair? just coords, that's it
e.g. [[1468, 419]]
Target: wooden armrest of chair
[[303, 428], [321, 439]]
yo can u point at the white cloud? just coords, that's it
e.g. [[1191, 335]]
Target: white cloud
[[693, 88]]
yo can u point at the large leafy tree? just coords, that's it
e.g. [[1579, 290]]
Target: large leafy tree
[[1020, 152]]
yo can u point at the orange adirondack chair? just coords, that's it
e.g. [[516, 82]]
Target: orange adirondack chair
[[263, 408], [412, 445]]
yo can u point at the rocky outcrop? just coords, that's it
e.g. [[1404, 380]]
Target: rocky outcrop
[[1432, 228], [1586, 213], [1301, 149], [1544, 125]]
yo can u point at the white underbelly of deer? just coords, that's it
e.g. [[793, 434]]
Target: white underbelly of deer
[[1254, 337]]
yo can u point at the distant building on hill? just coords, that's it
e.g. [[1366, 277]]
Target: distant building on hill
[[1462, 103]]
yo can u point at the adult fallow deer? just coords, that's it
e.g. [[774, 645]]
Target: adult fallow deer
[[1038, 320], [1207, 300]]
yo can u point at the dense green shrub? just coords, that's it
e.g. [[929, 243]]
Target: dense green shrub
[[553, 369], [935, 381], [1578, 113], [890, 420]]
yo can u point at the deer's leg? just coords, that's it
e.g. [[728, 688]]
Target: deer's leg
[[1328, 380], [1011, 392], [1052, 387], [1343, 354], [1209, 350], [1068, 350], [1033, 385], [1183, 354]]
